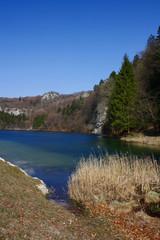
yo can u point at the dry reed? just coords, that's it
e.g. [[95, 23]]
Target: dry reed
[[113, 177]]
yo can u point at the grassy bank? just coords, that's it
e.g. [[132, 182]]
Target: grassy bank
[[26, 214], [143, 139]]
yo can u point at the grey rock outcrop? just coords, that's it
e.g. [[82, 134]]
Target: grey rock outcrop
[[101, 114]]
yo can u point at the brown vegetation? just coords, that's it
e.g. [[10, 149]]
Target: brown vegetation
[[141, 138], [123, 178], [121, 190]]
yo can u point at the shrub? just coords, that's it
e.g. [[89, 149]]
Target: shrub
[[113, 177]]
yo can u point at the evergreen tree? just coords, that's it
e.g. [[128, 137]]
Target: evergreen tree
[[149, 79], [112, 75], [123, 103], [39, 121]]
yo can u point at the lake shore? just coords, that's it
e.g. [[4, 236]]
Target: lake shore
[[27, 214], [41, 186], [143, 139]]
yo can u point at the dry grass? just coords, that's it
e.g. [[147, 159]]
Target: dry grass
[[113, 177]]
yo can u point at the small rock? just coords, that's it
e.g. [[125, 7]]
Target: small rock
[[152, 197], [43, 188]]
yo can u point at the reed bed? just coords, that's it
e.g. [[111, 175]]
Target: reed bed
[[113, 177]]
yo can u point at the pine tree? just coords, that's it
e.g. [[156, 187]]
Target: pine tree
[[150, 78], [123, 104]]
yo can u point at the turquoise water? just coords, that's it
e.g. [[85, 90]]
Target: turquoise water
[[53, 156]]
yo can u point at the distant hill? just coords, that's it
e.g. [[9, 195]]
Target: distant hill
[[52, 111]]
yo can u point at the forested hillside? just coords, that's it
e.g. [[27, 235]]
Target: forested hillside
[[125, 102], [134, 104], [51, 112]]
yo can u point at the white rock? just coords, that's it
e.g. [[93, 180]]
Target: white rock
[[14, 111], [43, 188], [85, 94], [17, 111], [50, 96]]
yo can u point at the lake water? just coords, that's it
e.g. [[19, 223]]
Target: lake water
[[52, 156]]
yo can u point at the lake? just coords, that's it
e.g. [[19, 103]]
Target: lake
[[52, 156]]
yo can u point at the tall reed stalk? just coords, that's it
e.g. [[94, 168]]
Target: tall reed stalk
[[113, 177]]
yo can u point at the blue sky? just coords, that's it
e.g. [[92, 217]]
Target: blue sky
[[69, 45]]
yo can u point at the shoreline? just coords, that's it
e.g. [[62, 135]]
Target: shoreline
[[134, 138], [142, 139], [29, 214], [26, 213], [49, 131], [42, 186]]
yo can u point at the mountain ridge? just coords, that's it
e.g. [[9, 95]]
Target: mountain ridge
[[51, 111]]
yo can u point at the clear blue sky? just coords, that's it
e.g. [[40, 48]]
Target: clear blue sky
[[69, 45]]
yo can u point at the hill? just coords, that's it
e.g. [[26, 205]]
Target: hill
[[79, 112]]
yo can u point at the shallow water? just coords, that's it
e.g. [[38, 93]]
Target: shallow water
[[52, 156]]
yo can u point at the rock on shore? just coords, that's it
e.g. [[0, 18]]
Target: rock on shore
[[41, 186]]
